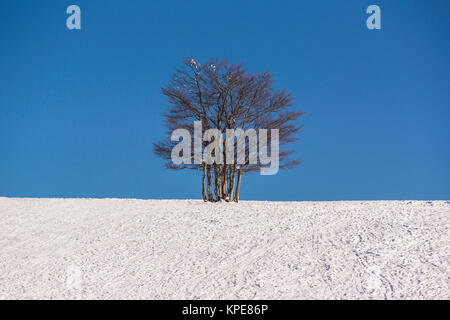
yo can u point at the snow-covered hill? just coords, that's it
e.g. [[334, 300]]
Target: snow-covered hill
[[187, 249]]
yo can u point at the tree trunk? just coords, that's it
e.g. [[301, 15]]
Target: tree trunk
[[238, 187], [232, 183], [226, 169], [203, 183], [225, 182], [208, 171], [217, 182]]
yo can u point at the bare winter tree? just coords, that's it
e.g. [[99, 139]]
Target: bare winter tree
[[226, 97]]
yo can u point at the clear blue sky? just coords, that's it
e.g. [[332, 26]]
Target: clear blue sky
[[81, 109]]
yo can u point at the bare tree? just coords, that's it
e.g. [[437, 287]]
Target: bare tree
[[226, 97]]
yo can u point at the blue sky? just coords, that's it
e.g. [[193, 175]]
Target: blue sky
[[80, 109]]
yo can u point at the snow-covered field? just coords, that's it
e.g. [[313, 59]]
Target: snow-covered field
[[187, 249]]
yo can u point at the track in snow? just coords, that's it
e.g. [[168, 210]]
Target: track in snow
[[187, 249]]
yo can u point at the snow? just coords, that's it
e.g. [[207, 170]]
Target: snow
[[187, 249], [194, 63]]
